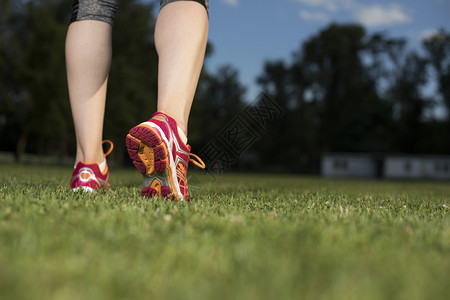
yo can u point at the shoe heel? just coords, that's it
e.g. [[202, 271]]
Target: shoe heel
[[146, 149]]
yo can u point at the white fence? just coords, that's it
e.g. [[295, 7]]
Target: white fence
[[386, 166]]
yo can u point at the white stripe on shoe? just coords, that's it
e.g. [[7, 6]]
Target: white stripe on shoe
[[169, 154]]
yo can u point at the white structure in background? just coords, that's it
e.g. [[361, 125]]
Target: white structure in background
[[417, 167], [387, 166], [348, 165]]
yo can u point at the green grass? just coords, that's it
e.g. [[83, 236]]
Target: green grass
[[241, 237]]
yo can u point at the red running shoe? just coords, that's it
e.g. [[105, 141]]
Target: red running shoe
[[88, 177], [160, 155]]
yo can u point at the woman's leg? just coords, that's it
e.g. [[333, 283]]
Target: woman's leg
[[180, 37], [158, 147], [88, 57]]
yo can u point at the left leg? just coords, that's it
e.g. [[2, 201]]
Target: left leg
[[88, 57]]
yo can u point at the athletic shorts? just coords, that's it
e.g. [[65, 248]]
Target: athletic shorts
[[105, 10]]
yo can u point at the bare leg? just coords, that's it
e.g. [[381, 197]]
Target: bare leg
[[88, 58], [180, 37]]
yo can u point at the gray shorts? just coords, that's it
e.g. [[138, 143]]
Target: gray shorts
[[205, 3], [105, 10]]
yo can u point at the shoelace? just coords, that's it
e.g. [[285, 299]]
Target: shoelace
[[196, 161], [111, 147]]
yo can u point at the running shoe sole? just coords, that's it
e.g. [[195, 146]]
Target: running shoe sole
[[150, 157], [85, 189]]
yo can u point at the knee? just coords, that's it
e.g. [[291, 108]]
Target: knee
[[99, 10]]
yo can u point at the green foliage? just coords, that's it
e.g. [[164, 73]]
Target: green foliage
[[438, 50], [34, 87], [349, 91], [35, 112], [409, 104], [219, 98], [241, 237], [346, 93]]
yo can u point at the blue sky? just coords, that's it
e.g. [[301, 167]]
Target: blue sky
[[245, 33]]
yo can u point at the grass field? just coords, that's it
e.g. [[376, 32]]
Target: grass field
[[241, 237]]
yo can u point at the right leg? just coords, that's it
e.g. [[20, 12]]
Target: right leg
[[157, 147], [181, 35]]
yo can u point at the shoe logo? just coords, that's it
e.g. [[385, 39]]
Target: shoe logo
[[156, 185], [87, 175]]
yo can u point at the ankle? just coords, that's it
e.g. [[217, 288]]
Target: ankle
[[179, 119], [182, 135], [90, 158]]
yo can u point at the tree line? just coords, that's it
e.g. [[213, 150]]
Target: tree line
[[343, 90], [346, 90]]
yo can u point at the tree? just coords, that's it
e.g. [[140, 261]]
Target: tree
[[437, 48], [34, 111], [289, 132], [409, 103], [132, 86], [349, 106], [33, 95], [219, 98], [340, 92]]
